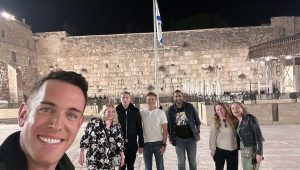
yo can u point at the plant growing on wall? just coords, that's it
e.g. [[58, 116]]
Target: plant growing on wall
[[209, 68], [84, 70], [162, 68], [184, 44], [150, 87], [242, 76]]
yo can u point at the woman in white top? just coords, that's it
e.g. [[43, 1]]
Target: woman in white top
[[222, 140]]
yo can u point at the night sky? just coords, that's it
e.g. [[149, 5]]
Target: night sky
[[90, 17]]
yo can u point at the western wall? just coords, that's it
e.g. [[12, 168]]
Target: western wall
[[18, 69], [113, 63]]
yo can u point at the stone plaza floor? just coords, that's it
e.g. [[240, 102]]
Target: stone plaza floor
[[281, 148]]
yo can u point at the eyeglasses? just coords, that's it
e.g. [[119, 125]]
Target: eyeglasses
[[224, 120]]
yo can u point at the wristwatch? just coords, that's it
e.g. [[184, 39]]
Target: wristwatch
[[164, 144]]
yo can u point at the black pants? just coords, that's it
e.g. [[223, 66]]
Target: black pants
[[130, 156], [231, 157]]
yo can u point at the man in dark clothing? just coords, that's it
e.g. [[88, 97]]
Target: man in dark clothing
[[184, 130], [13, 158], [50, 120], [131, 124]]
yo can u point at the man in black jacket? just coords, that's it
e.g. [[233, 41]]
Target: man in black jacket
[[184, 130], [131, 124], [50, 120]]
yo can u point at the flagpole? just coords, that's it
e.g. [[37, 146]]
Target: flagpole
[[155, 53]]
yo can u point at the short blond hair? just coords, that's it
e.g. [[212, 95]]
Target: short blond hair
[[125, 92], [104, 109]]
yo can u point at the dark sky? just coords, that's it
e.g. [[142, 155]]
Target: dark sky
[[88, 17]]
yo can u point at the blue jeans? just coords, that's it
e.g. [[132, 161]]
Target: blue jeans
[[150, 149], [189, 146]]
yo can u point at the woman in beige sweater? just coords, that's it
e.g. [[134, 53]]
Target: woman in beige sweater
[[222, 140]]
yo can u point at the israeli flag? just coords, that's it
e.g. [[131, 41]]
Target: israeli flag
[[158, 24]]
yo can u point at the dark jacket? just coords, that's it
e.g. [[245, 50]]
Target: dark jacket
[[134, 124], [12, 156], [250, 133], [191, 114]]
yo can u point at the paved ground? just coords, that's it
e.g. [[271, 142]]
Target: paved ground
[[281, 149]]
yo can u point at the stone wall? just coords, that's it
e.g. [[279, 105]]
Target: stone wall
[[289, 112], [28, 76], [286, 113], [8, 113], [17, 39], [290, 24], [113, 63], [4, 90], [263, 112], [13, 113]]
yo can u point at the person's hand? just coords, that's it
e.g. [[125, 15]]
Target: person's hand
[[122, 160], [197, 137], [259, 158], [162, 150], [140, 150], [212, 153], [81, 159]]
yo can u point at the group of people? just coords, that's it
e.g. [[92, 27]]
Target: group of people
[[53, 113], [234, 129], [122, 132]]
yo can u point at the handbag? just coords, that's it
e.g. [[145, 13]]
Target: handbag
[[116, 160], [248, 152]]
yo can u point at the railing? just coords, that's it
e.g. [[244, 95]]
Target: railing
[[276, 48], [208, 100]]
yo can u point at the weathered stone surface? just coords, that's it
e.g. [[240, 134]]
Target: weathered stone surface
[[16, 37], [113, 63], [4, 93], [109, 61]]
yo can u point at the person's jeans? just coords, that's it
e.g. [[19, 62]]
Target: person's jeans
[[150, 149], [188, 145], [247, 164]]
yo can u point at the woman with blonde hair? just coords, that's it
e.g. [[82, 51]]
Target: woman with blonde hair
[[103, 140], [222, 140], [251, 139]]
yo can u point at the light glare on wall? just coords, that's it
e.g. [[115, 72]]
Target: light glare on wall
[[7, 15], [288, 57], [268, 58]]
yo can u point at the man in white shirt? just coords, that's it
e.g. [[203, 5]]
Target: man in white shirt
[[155, 133]]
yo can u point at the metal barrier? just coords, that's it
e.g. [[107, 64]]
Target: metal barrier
[[207, 99]]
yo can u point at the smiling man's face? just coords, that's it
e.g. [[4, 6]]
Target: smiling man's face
[[50, 122]]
